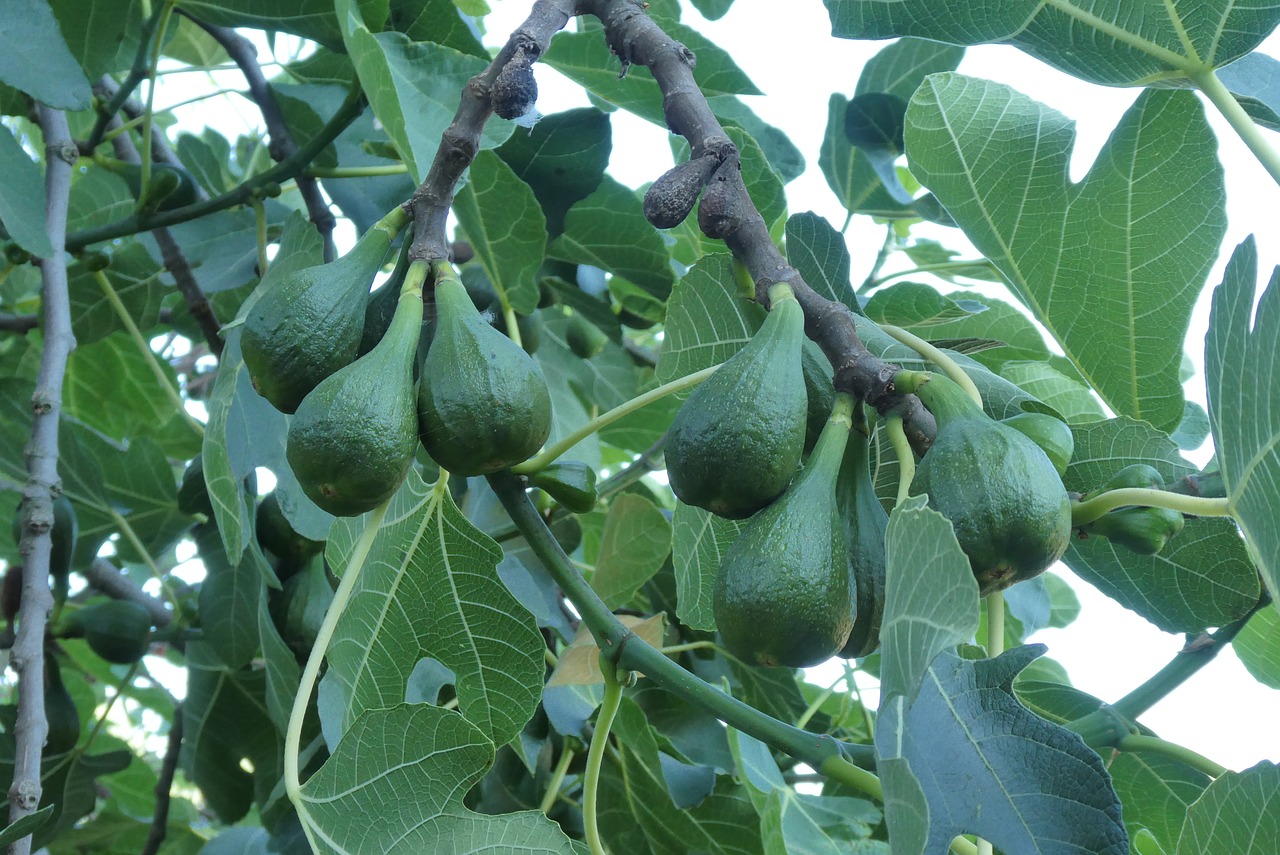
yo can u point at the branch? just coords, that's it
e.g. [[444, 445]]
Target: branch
[[164, 783], [637, 40], [103, 575], [1197, 653], [132, 107], [27, 655], [18, 323], [458, 146], [173, 258], [626, 650], [281, 146], [286, 170], [137, 73]]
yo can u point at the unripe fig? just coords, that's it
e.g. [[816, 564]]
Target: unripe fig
[[670, 199], [584, 338]]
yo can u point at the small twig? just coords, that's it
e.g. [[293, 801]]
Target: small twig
[[245, 56], [458, 146], [886, 249], [18, 323], [101, 574], [161, 151], [43, 483], [119, 94], [164, 783]]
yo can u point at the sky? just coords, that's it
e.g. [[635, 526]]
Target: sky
[[1222, 712]]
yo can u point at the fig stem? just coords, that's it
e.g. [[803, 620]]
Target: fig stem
[[1083, 513], [1155, 745], [595, 754], [553, 452], [906, 460], [938, 358]]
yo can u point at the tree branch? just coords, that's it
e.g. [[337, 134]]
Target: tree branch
[[132, 107], [281, 145], [43, 484], [164, 783], [458, 146], [286, 170], [119, 94], [18, 323], [174, 260], [636, 39], [104, 576]]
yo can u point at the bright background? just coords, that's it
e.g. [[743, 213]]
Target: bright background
[[787, 51]]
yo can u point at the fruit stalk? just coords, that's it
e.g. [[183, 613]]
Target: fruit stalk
[[1089, 510]]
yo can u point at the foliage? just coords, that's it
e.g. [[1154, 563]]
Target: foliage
[[527, 659]]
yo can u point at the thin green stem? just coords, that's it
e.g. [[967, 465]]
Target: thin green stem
[[509, 318], [1138, 742], [144, 182], [1185, 663], [866, 713], [1083, 513], [632, 653], [940, 267], [557, 780], [1211, 85], [260, 214], [281, 172], [938, 358], [293, 734], [595, 754], [690, 645], [812, 710], [995, 624], [356, 171], [101, 720], [153, 362], [902, 449], [553, 452]]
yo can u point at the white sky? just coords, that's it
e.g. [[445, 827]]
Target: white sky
[[1221, 712]]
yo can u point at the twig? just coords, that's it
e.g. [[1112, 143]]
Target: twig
[[245, 55], [160, 149], [27, 655], [160, 819], [18, 323], [137, 73], [637, 40], [103, 575], [239, 195], [458, 146], [172, 257]]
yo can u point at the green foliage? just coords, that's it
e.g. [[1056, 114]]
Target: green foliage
[[382, 651]]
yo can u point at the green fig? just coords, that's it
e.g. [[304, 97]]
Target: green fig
[[864, 527], [118, 631], [59, 711], [1003, 495], [570, 483], [584, 338], [277, 536], [352, 441], [1143, 530], [736, 441], [1050, 433], [310, 322], [782, 595], [484, 403], [819, 392]]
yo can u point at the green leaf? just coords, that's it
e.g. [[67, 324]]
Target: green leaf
[[97, 197], [28, 824], [505, 226], [22, 198], [70, 787], [1000, 322], [914, 304], [708, 321], [189, 43], [134, 275], [428, 589], [724, 823], [1202, 578], [1113, 43], [1239, 362], [281, 667], [931, 598], [306, 108], [35, 59], [414, 108], [101, 34], [818, 252], [849, 172], [1028, 785], [635, 543], [1258, 646], [230, 598], [1156, 792], [1111, 266], [1237, 814], [225, 721], [1193, 430], [1070, 399], [1255, 81], [562, 158], [792, 823], [394, 786], [699, 539], [608, 230], [435, 21], [311, 19]]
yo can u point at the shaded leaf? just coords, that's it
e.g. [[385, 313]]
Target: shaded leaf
[[1237, 814], [635, 542], [562, 158], [1258, 646], [708, 321], [22, 199], [699, 540], [35, 59], [819, 253], [1255, 81]]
